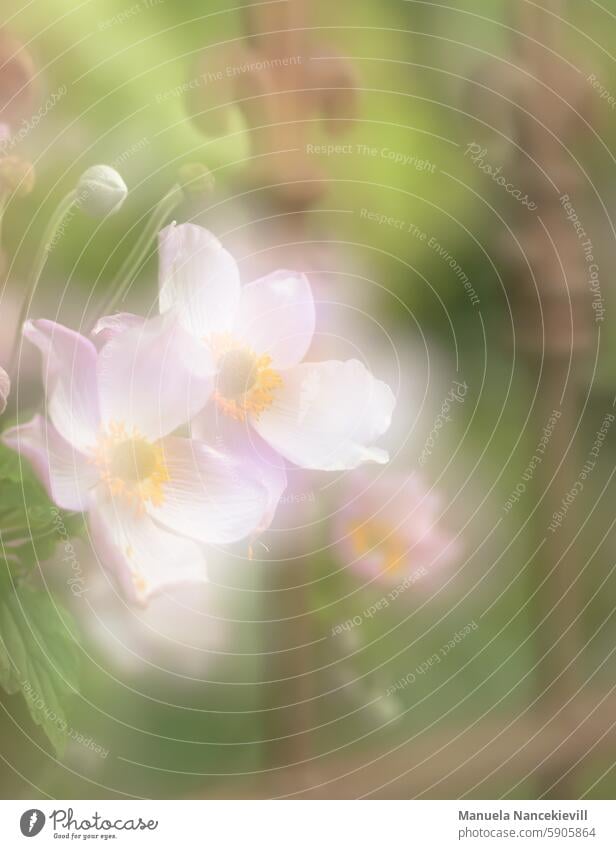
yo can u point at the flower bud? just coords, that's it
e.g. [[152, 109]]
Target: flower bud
[[5, 388], [16, 176], [195, 179], [101, 191]]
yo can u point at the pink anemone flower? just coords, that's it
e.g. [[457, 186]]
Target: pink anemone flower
[[316, 415], [389, 529], [107, 448]]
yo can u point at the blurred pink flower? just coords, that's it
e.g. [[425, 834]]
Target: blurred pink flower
[[152, 499], [323, 415], [389, 528]]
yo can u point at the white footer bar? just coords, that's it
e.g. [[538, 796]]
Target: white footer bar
[[308, 824]]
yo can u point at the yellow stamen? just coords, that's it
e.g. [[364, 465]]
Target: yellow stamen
[[132, 467], [140, 583], [374, 536], [246, 382]]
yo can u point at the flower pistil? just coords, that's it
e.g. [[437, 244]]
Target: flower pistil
[[131, 466]]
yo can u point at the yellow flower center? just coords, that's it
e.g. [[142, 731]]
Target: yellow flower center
[[131, 466], [133, 460], [245, 381], [237, 373], [374, 536]]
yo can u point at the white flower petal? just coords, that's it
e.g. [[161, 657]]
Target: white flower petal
[[145, 558], [276, 317], [198, 278], [69, 375], [67, 474], [327, 415], [210, 497], [241, 441], [110, 325], [154, 377]]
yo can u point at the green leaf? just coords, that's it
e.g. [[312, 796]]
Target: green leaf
[[38, 648], [11, 465], [30, 525], [38, 656]]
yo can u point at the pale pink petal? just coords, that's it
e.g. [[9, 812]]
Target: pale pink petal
[[241, 441], [67, 474], [210, 497], [110, 325], [198, 278], [5, 388], [328, 415], [394, 495], [69, 375], [154, 377], [270, 471], [400, 518], [145, 558], [276, 317]]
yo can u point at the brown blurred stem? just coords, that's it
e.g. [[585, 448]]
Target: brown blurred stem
[[554, 325]]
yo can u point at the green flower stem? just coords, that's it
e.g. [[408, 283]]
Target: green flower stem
[[40, 260], [134, 261]]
